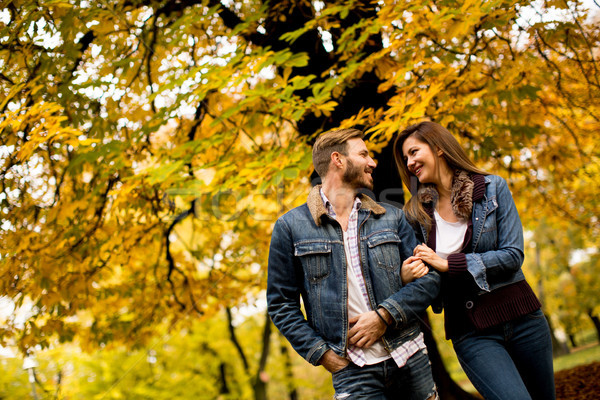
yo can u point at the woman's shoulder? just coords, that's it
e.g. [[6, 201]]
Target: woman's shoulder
[[495, 180], [497, 187]]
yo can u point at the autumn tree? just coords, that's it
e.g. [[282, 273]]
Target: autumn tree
[[148, 146], [569, 291]]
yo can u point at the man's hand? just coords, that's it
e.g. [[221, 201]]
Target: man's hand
[[412, 268], [367, 328], [332, 362]]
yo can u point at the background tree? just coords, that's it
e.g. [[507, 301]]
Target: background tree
[[148, 146], [199, 362]]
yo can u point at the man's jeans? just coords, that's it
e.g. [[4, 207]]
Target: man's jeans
[[512, 361], [385, 380]]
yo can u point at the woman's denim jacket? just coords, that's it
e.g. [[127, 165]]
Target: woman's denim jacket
[[497, 241], [307, 260]]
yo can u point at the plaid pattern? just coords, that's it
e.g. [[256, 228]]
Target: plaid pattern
[[407, 349], [356, 354]]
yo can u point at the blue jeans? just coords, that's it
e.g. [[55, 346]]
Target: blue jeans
[[385, 380], [511, 361]]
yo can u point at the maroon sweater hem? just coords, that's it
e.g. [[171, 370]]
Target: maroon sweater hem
[[504, 304]]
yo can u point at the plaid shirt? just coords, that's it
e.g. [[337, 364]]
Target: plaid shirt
[[356, 354]]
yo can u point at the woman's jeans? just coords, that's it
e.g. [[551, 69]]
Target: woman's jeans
[[385, 381], [511, 361]]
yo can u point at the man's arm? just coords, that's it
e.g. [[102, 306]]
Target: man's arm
[[414, 298], [283, 297]]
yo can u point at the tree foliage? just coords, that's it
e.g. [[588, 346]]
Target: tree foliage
[[146, 147], [199, 362]]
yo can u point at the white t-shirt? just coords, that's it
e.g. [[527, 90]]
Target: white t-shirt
[[356, 306], [449, 236]]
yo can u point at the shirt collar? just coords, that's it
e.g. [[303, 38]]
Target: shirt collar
[[357, 203]]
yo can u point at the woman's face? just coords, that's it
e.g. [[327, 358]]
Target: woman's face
[[420, 160]]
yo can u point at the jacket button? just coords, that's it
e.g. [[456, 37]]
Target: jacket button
[[469, 304]]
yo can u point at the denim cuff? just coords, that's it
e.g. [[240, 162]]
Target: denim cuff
[[395, 311], [315, 354]]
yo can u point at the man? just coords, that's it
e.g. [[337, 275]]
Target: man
[[342, 253]]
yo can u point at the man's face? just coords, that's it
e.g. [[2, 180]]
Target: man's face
[[359, 165]]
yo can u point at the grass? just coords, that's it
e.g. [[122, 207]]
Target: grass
[[579, 356]]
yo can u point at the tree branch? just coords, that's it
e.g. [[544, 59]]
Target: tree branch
[[98, 213], [149, 55], [85, 43], [169, 255], [235, 340]]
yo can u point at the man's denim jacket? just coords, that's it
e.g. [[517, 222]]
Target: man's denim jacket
[[307, 260]]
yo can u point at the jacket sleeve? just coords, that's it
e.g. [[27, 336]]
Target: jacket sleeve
[[506, 257], [284, 282], [411, 300]]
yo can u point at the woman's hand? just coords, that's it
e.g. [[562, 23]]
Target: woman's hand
[[412, 268], [426, 254]]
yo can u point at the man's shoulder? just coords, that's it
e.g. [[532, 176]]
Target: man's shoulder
[[391, 211], [389, 207], [299, 212]]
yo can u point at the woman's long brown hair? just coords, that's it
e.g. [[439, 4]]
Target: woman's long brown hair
[[438, 138]]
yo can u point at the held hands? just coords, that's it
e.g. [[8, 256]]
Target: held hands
[[412, 268], [367, 328], [426, 254]]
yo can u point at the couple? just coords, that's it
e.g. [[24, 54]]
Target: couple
[[364, 279]]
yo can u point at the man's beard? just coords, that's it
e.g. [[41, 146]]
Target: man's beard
[[355, 176]]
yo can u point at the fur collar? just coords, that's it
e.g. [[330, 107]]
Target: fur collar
[[462, 194], [317, 208]]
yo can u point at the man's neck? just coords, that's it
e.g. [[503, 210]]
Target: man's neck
[[340, 196]]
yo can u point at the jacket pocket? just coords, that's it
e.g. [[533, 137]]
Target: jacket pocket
[[315, 258], [384, 250]]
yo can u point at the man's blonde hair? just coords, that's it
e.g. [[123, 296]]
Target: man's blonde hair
[[329, 143]]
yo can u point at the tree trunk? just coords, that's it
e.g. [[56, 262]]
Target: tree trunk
[[260, 380], [559, 347], [448, 389], [235, 341], [572, 340], [289, 373], [596, 322], [223, 379]]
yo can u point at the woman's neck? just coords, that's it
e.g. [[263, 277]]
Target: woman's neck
[[444, 185]]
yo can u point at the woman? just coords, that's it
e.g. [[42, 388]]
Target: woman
[[472, 234]]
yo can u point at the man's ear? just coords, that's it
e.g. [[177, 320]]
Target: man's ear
[[336, 159]]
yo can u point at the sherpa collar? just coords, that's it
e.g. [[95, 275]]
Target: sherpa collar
[[466, 189], [317, 208]]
